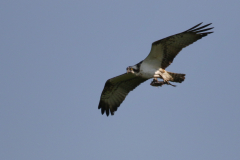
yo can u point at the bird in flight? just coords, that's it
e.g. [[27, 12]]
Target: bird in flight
[[153, 66]]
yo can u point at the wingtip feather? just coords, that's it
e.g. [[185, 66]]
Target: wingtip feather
[[197, 30], [194, 26]]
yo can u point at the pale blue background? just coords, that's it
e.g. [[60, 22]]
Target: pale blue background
[[55, 57]]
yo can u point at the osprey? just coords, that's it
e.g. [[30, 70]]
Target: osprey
[[153, 66]]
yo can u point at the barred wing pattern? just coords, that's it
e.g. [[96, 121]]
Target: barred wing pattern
[[115, 91], [166, 49]]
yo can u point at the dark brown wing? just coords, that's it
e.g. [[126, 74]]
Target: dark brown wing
[[115, 91], [165, 50]]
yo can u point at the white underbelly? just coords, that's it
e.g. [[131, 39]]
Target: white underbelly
[[147, 75], [148, 70]]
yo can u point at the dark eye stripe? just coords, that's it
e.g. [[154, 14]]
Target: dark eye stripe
[[135, 70]]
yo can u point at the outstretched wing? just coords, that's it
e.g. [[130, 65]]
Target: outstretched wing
[[115, 91], [165, 50]]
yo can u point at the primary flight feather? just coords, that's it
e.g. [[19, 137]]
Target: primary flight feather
[[153, 66]]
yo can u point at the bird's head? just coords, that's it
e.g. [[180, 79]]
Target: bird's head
[[135, 68], [132, 69]]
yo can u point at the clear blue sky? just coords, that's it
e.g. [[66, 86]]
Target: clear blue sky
[[55, 57]]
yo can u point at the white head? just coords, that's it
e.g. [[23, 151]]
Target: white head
[[134, 69]]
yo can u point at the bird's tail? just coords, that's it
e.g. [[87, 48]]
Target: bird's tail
[[176, 77]]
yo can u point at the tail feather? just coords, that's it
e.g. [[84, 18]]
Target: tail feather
[[176, 77]]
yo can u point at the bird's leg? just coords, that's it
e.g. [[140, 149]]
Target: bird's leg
[[168, 83], [157, 83], [160, 74]]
